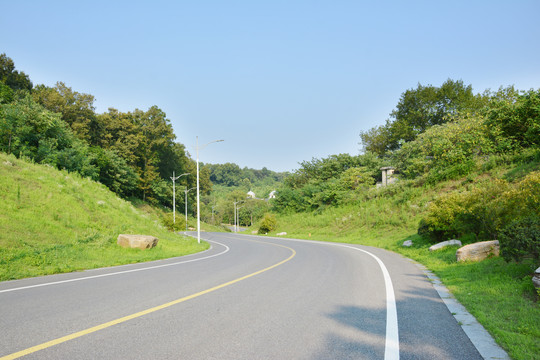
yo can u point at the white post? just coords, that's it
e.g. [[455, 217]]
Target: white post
[[173, 199], [174, 194], [198, 205], [198, 200], [185, 203], [235, 214]]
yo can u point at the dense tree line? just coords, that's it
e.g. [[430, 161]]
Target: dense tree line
[[418, 110], [434, 134], [133, 153], [327, 182], [231, 184], [437, 134], [230, 174]]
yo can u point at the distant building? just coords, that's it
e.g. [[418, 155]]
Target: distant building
[[272, 195], [251, 194], [387, 176]]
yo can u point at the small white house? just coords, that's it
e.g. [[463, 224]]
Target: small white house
[[272, 195], [251, 194]]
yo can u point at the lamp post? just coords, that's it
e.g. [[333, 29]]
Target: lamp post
[[236, 202], [197, 148], [173, 178], [185, 202]]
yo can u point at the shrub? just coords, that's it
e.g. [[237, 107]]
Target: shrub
[[445, 151], [440, 220], [268, 224], [521, 239], [168, 222]]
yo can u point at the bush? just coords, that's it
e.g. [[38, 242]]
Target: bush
[[482, 211], [445, 151], [521, 239], [168, 222], [268, 223]]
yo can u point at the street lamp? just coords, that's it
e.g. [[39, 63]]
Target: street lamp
[[197, 148], [236, 202], [173, 178], [185, 202]]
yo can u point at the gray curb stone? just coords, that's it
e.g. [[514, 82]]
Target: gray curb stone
[[481, 339]]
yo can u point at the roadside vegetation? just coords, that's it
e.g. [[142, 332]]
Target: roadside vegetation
[[53, 221], [467, 165]]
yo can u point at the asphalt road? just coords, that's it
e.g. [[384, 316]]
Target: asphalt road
[[245, 298]]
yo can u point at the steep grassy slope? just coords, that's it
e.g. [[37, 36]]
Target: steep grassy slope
[[53, 221]]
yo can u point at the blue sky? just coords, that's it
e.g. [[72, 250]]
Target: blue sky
[[280, 81]]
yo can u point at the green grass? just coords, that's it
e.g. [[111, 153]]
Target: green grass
[[52, 221], [499, 294]]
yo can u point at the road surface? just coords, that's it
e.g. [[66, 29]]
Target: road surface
[[247, 297]]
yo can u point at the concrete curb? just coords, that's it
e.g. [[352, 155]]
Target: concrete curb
[[481, 339]]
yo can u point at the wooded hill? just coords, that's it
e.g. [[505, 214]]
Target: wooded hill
[[133, 153]]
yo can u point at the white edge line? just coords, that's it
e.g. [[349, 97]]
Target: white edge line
[[391, 350], [119, 272]]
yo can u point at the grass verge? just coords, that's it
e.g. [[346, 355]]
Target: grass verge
[[52, 222], [500, 295]]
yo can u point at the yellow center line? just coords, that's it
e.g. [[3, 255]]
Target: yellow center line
[[78, 334]]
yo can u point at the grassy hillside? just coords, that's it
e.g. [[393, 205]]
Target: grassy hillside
[[52, 221], [499, 294]]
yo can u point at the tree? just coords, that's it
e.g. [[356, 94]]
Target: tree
[[419, 109], [6, 94], [120, 134], [516, 119], [11, 77], [227, 174], [77, 109], [26, 126]]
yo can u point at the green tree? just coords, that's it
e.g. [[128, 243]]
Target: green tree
[[419, 109], [26, 126], [77, 109], [14, 79], [227, 174], [120, 134], [6, 94], [516, 120]]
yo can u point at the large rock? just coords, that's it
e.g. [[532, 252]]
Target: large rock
[[445, 244], [137, 241], [478, 251], [536, 278]]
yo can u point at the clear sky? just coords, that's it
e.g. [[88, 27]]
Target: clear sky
[[280, 81]]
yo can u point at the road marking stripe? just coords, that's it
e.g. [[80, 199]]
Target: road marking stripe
[[119, 272], [391, 349], [141, 313]]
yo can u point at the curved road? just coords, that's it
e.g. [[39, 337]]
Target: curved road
[[246, 298]]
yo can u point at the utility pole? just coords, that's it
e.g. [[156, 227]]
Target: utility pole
[[235, 212]]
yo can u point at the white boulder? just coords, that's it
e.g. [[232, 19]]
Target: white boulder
[[445, 244]]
